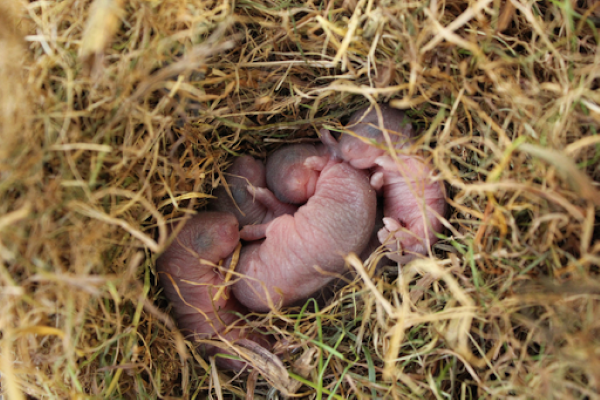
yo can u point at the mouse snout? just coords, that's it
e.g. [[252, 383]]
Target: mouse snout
[[357, 153], [350, 148], [301, 184]]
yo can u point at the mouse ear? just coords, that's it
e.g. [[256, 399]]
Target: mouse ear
[[332, 144]]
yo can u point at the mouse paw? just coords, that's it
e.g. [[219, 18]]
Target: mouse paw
[[384, 235], [393, 230], [377, 180], [405, 166], [254, 232], [388, 239], [272, 203], [389, 230], [398, 244], [392, 225], [386, 163], [316, 163]]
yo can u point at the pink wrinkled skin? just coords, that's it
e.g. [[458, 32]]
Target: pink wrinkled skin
[[206, 238], [365, 124], [288, 178], [412, 205], [246, 171], [303, 252], [413, 201]]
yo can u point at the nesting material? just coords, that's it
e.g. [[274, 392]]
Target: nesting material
[[113, 126]]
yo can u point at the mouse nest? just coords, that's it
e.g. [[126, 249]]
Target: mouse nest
[[117, 117]]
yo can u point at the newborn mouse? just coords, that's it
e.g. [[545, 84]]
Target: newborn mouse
[[247, 172], [362, 149], [190, 280], [412, 199], [287, 176], [302, 253], [412, 205]]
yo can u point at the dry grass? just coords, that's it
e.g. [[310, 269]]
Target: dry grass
[[116, 116]]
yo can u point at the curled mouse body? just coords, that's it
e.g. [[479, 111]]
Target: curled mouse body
[[413, 201], [188, 274], [303, 252], [287, 175], [247, 171], [413, 204], [361, 150]]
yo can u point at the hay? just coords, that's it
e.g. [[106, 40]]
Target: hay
[[117, 116]]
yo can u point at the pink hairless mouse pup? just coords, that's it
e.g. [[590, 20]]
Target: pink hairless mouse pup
[[292, 179], [244, 172], [187, 272], [303, 252], [287, 175], [413, 201]]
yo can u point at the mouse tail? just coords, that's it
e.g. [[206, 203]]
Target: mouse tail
[[331, 143]]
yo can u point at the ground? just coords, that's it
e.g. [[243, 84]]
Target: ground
[[119, 116]]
